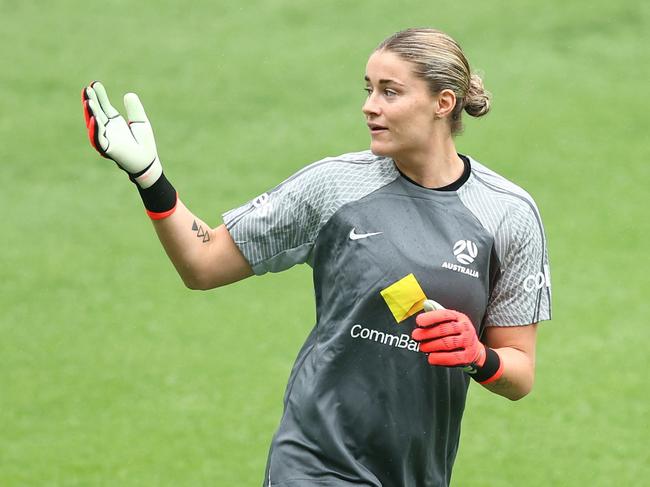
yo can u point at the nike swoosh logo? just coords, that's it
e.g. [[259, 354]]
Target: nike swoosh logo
[[357, 236]]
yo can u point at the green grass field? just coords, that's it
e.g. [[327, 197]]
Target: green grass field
[[112, 373]]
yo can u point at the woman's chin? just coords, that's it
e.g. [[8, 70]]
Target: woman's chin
[[380, 149]]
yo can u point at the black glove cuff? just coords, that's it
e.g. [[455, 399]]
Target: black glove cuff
[[159, 199], [491, 369]]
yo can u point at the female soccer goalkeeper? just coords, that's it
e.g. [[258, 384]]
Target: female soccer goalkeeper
[[377, 393]]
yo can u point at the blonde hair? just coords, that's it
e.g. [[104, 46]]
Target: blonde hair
[[439, 60]]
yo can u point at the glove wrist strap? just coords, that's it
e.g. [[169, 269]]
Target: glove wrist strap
[[491, 370], [147, 178], [159, 199]]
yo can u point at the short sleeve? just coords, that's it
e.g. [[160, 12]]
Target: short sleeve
[[276, 230], [522, 293]]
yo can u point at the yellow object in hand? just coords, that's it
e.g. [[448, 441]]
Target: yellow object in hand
[[404, 297]]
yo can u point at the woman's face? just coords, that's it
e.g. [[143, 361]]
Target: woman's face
[[400, 109]]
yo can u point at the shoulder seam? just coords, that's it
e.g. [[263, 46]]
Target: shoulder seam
[[523, 198], [366, 157], [327, 160]]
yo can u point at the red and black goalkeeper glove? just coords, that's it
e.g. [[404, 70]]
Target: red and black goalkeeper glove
[[449, 338]]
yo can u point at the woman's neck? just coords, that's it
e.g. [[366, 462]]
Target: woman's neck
[[436, 167]]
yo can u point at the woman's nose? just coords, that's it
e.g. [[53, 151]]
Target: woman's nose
[[370, 106]]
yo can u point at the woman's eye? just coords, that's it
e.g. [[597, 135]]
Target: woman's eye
[[386, 92]]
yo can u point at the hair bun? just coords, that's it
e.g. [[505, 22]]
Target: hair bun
[[477, 100]]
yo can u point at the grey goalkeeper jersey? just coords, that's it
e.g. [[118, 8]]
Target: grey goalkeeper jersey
[[362, 406]]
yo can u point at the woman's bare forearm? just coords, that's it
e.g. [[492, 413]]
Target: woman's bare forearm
[[518, 374], [515, 346], [204, 257]]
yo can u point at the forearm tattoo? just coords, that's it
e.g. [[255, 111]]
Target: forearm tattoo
[[200, 233]]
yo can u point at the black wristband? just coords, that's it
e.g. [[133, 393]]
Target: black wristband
[[491, 369], [160, 198]]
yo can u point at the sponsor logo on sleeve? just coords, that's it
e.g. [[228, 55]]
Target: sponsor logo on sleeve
[[262, 204], [537, 281], [261, 200]]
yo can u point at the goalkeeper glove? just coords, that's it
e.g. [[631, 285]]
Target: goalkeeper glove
[[449, 338], [132, 146]]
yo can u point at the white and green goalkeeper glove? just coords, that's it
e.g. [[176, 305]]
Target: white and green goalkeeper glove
[[131, 145]]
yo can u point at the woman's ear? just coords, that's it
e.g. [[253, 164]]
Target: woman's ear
[[445, 103]]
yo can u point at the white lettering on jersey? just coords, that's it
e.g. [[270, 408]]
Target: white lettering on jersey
[[465, 252], [537, 281], [403, 341], [462, 269]]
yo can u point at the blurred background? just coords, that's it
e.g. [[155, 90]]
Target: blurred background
[[112, 373]]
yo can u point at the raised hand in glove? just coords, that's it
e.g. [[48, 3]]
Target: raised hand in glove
[[130, 144]]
